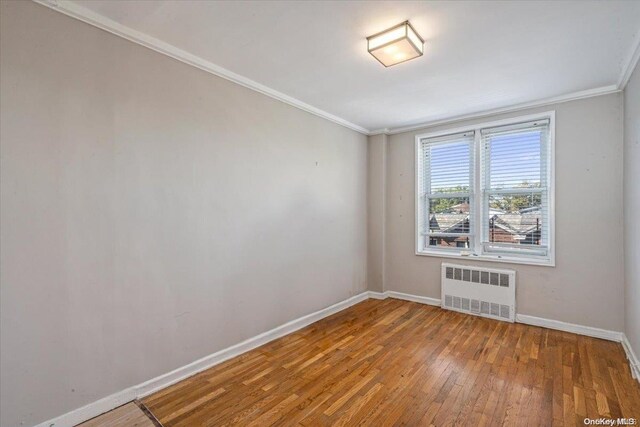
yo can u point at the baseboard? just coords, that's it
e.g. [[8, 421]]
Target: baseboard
[[91, 410], [148, 387], [521, 318], [206, 362], [377, 295], [634, 363], [589, 331], [570, 327], [414, 298], [403, 296]]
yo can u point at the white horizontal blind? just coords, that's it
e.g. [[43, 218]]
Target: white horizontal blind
[[515, 188], [447, 191]]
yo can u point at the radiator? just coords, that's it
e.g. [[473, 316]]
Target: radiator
[[480, 291]]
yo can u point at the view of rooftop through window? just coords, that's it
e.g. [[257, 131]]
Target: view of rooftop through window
[[513, 173]]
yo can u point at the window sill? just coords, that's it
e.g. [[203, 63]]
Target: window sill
[[545, 262]]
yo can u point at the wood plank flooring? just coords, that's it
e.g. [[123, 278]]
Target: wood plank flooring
[[394, 362], [129, 415]]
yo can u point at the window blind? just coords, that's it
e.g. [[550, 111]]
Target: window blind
[[515, 188], [448, 163]]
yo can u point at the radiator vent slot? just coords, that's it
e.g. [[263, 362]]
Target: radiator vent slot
[[456, 302], [504, 311], [504, 280], [484, 277], [495, 309], [481, 291], [476, 276], [484, 307]]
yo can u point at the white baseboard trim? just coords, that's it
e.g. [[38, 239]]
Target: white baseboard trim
[[525, 319], [403, 296], [91, 410], [377, 295], [148, 387], [206, 362], [634, 363], [570, 327], [589, 331], [414, 298]]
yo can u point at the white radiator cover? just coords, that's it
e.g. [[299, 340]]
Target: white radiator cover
[[487, 292]]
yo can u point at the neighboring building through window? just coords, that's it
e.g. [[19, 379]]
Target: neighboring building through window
[[487, 192]]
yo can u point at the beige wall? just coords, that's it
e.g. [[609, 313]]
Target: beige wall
[[153, 214], [376, 184], [632, 209], [586, 286]]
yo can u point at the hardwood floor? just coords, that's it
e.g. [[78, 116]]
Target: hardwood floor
[[394, 362], [129, 415]]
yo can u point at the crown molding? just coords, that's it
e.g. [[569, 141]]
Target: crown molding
[[83, 14], [604, 90], [383, 131], [630, 64]]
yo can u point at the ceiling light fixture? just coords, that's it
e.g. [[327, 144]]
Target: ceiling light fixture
[[396, 44]]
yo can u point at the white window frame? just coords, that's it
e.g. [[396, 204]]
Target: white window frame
[[478, 216]]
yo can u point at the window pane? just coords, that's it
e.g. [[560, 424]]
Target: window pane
[[516, 219], [514, 159], [459, 242], [511, 185], [449, 166], [449, 215]]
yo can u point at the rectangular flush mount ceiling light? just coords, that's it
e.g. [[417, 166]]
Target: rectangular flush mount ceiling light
[[395, 45]]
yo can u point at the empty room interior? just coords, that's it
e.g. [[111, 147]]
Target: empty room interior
[[319, 213]]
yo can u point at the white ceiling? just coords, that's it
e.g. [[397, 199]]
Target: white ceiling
[[478, 55]]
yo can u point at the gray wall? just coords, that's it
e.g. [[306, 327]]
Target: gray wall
[[632, 209], [586, 286], [376, 184], [153, 214]]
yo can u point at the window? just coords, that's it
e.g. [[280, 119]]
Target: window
[[487, 191]]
